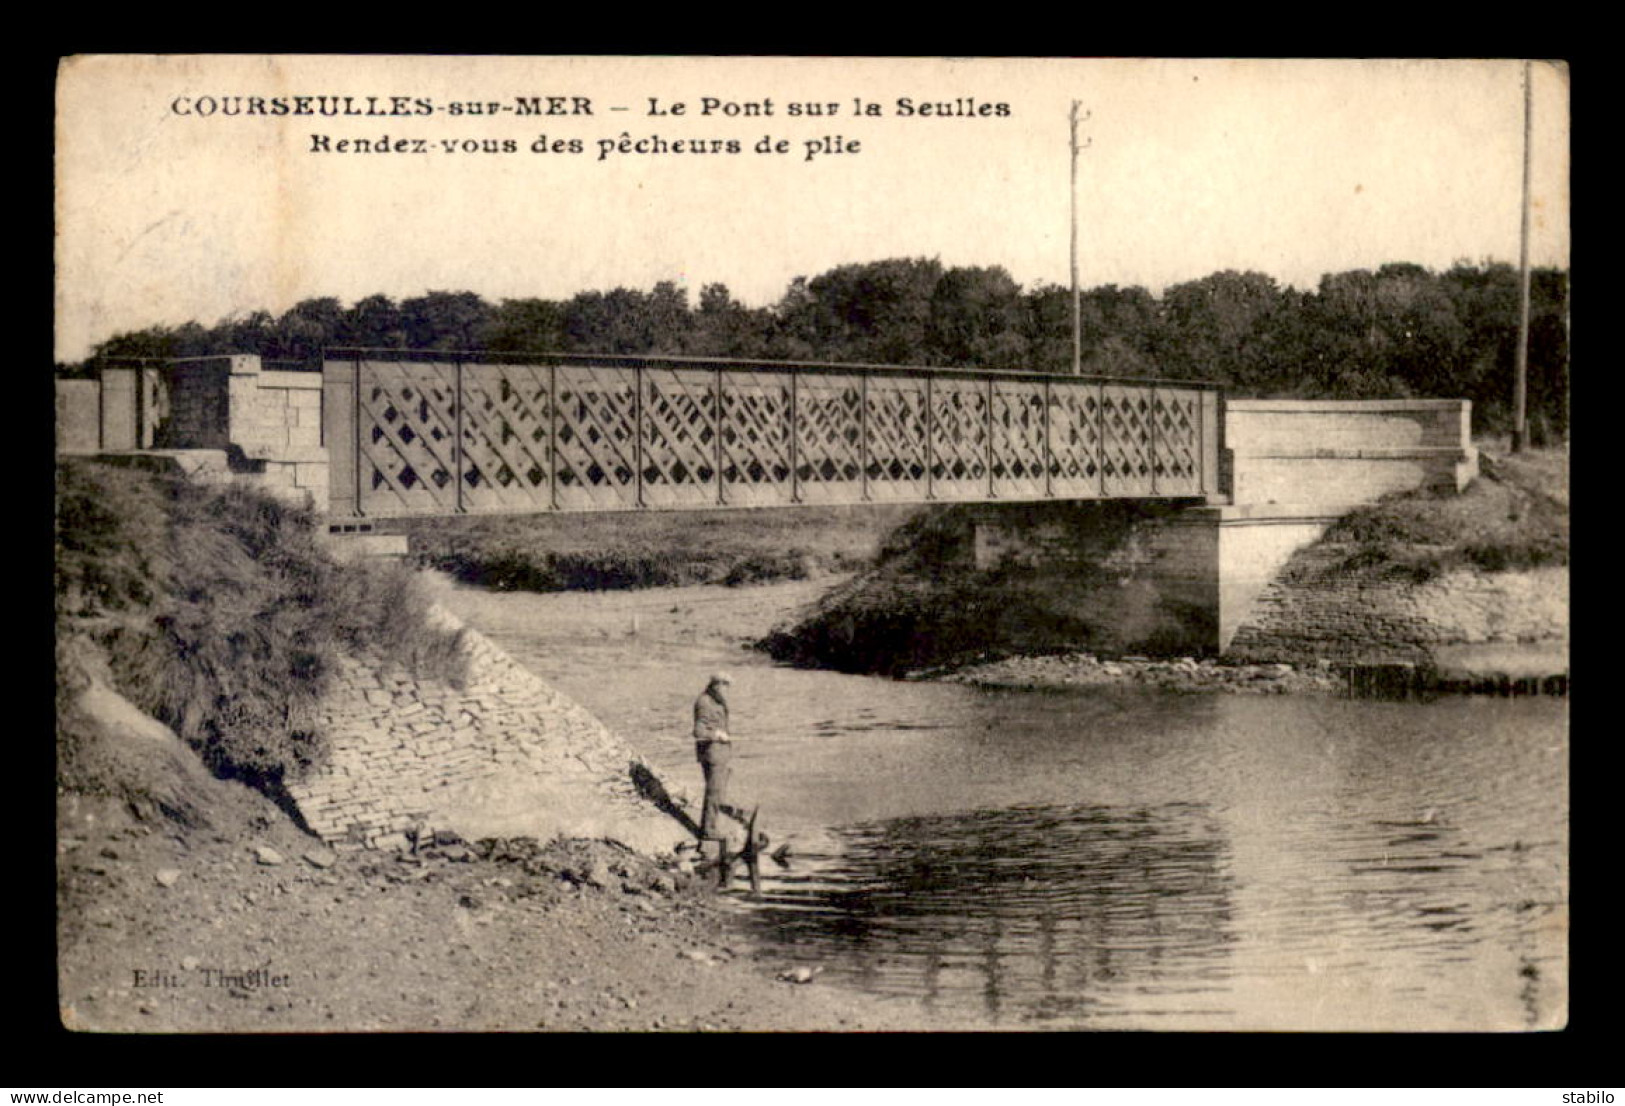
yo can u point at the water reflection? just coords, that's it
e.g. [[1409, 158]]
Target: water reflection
[[1138, 859], [1035, 913], [1351, 870]]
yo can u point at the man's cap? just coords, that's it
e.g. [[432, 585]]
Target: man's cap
[[721, 678]]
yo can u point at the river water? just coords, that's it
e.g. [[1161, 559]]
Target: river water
[[1105, 858]]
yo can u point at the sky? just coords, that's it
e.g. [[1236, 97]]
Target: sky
[[177, 202]]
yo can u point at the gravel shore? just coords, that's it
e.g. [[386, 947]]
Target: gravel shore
[[257, 929], [1181, 674]]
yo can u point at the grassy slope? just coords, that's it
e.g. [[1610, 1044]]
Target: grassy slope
[[1514, 516], [218, 614]]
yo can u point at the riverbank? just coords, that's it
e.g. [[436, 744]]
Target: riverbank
[[248, 927], [183, 899], [1474, 587], [1436, 582], [1530, 668], [188, 901]]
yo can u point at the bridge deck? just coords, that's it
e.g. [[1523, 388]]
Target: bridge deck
[[416, 433]]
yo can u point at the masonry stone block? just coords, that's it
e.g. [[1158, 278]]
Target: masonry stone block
[[1334, 455], [78, 416]]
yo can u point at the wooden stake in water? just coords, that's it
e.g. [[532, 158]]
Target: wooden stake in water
[[753, 854]]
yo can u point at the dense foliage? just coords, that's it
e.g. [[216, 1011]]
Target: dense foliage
[[1401, 330]]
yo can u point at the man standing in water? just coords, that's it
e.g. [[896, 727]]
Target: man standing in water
[[714, 748]]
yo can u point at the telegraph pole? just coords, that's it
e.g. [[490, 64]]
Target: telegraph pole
[[1077, 347], [1520, 375]]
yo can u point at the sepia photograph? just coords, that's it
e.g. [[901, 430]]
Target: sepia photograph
[[676, 544]]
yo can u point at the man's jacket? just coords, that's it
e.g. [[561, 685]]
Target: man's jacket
[[710, 717]]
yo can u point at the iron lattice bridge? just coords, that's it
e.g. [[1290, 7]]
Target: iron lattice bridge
[[415, 433]]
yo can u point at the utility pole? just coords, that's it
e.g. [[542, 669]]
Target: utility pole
[[1520, 375], [1077, 341]]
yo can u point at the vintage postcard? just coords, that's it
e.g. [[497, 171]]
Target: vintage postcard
[[677, 544]]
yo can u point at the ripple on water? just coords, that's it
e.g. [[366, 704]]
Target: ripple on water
[[1119, 858], [1301, 894]]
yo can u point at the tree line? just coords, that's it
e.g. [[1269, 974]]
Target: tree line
[[1398, 331]]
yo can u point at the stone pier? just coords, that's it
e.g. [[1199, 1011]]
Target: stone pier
[[1184, 577]]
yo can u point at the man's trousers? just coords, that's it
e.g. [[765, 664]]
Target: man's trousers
[[716, 762]]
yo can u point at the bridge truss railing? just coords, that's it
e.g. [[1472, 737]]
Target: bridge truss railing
[[419, 433]]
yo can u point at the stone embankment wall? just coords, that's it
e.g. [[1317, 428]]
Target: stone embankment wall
[[1298, 465], [1313, 610], [499, 754]]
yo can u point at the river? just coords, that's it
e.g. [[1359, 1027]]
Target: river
[[1116, 858]]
